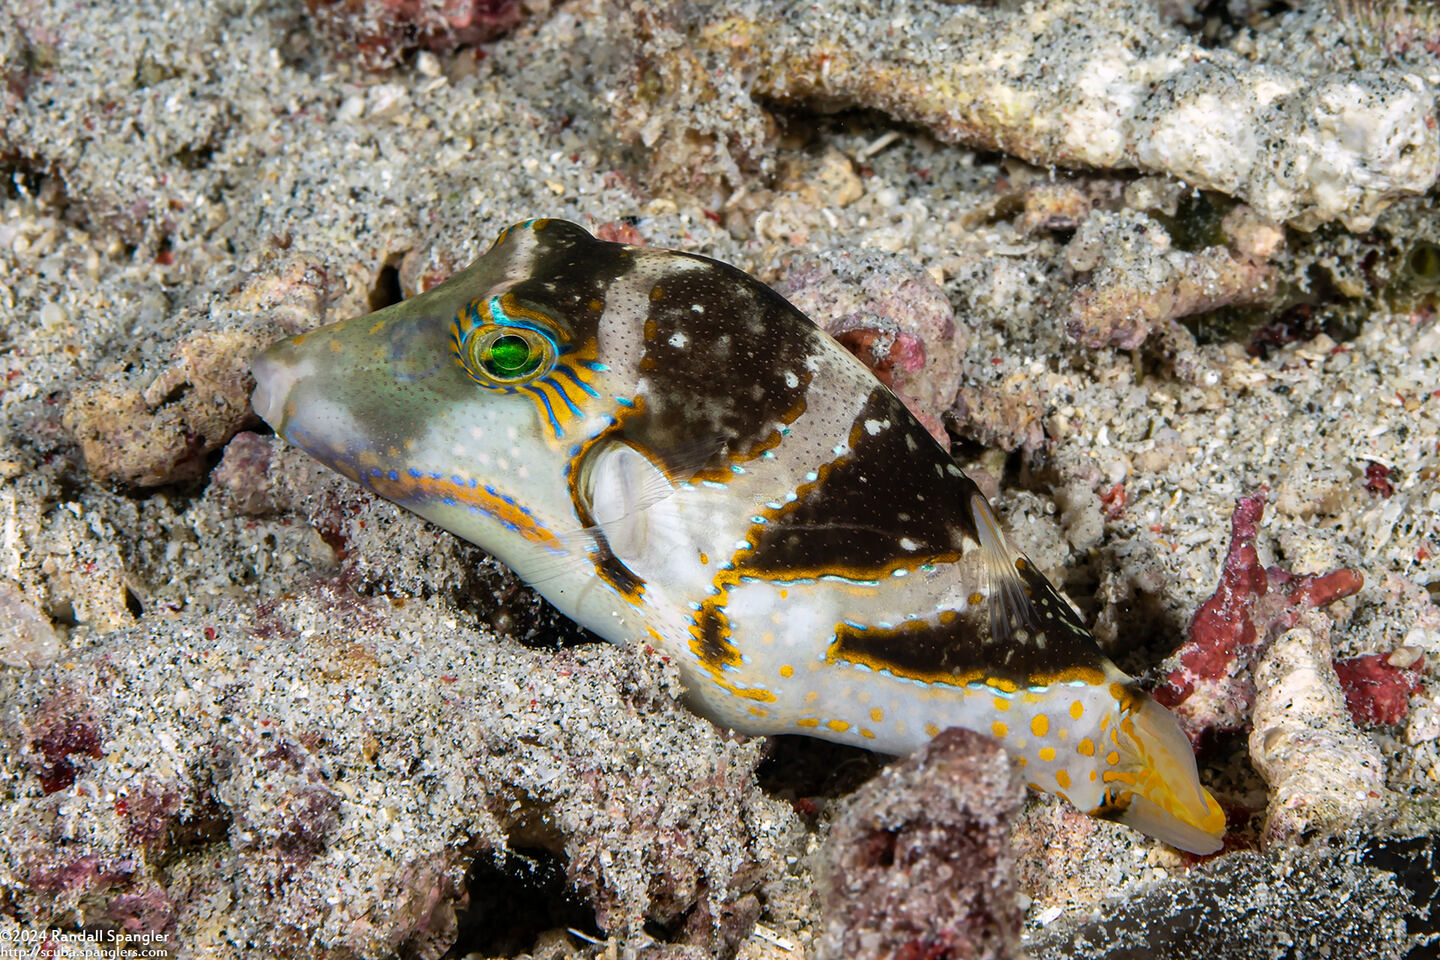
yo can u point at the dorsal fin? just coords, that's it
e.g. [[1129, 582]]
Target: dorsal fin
[[1011, 607]]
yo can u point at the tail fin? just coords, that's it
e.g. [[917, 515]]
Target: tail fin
[[1155, 787]]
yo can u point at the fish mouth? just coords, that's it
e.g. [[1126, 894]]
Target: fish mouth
[[275, 376]]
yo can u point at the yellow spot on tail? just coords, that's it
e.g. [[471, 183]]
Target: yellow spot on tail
[[1086, 747], [839, 726], [931, 730], [1092, 776], [657, 292], [807, 722], [1062, 778], [787, 671], [704, 559], [1047, 754], [867, 734], [877, 714], [1112, 758], [976, 599], [1001, 704], [1077, 710], [999, 729], [784, 594], [1040, 725]]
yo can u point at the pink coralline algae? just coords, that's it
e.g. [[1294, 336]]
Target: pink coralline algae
[[919, 864], [381, 32], [1209, 685], [1377, 689], [894, 317], [63, 733], [619, 231], [1377, 480]]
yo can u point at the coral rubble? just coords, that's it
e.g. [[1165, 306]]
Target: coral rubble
[[918, 863]]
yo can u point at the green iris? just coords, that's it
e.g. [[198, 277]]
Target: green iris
[[511, 355]]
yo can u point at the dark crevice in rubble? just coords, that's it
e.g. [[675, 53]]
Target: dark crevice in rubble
[[513, 898]]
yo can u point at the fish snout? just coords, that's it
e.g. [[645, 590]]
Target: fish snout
[[276, 369]]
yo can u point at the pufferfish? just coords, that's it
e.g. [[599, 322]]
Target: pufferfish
[[673, 454]]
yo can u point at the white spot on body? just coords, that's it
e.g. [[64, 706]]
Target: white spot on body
[[791, 380], [697, 308], [476, 432], [907, 544], [873, 427], [678, 340]]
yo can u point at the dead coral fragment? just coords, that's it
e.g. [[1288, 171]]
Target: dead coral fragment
[[1133, 282], [1324, 774], [141, 432], [1209, 685], [1110, 86], [145, 436], [919, 862], [27, 638], [381, 32]]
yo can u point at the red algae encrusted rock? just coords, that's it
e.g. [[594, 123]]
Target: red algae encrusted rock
[[1378, 686], [1209, 685], [893, 316], [919, 866], [378, 33]]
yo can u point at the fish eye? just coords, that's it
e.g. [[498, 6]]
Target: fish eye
[[511, 355]]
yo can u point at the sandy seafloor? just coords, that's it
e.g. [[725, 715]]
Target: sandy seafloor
[[256, 712]]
